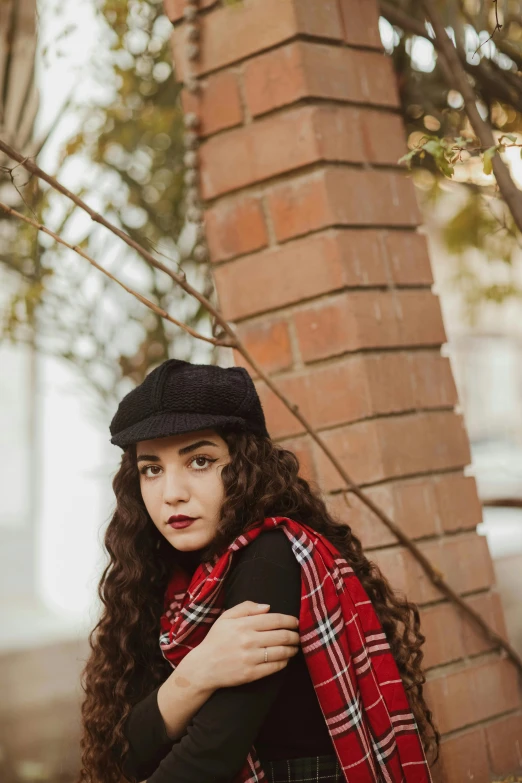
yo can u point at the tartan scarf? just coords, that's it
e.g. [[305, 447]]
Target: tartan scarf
[[354, 674]]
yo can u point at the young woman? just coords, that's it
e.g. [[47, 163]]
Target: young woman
[[190, 679]]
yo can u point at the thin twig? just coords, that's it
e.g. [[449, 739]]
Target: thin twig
[[486, 72], [498, 27], [11, 171], [511, 194], [433, 574], [77, 249], [33, 168]]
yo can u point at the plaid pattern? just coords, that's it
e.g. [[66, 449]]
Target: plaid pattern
[[354, 674], [311, 769]]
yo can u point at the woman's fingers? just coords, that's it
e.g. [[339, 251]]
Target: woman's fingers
[[271, 620], [267, 668], [276, 654], [244, 609], [278, 658], [281, 652], [278, 637]]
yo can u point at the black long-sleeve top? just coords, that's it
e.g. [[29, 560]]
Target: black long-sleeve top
[[279, 714]]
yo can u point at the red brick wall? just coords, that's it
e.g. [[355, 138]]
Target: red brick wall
[[312, 231]]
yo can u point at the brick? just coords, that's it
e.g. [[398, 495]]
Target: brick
[[440, 625], [301, 136], [458, 502], [406, 381], [269, 344], [343, 196], [263, 149], [358, 387], [346, 508], [450, 635], [464, 560], [234, 227], [420, 312], [433, 380], [429, 442], [302, 205], [347, 398], [322, 20], [217, 104], [414, 507], [361, 22], [367, 319], [368, 450], [390, 381], [490, 607], [299, 210], [447, 555], [378, 80], [473, 694], [410, 504], [234, 32], [408, 258], [384, 138], [357, 448], [305, 70], [504, 745], [303, 268], [462, 758], [174, 8]]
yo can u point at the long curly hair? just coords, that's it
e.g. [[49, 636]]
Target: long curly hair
[[125, 662]]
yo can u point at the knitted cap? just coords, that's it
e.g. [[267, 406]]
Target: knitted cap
[[179, 397]]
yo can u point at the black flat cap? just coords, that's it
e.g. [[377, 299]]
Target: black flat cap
[[178, 396]]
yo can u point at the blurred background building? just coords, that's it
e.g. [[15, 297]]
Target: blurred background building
[[486, 357]]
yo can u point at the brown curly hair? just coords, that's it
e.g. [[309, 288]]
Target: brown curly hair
[[125, 663]]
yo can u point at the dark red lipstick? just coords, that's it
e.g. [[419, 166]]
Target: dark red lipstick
[[180, 521]]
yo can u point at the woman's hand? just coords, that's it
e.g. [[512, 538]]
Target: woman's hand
[[232, 652]]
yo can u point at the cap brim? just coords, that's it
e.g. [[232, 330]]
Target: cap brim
[[163, 425]]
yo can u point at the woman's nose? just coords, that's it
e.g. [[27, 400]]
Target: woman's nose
[[175, 488]]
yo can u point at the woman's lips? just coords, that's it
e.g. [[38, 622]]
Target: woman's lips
[[181, 523]]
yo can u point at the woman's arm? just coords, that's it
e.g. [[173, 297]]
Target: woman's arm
[[181, 696], [221, 733], [162, 717]]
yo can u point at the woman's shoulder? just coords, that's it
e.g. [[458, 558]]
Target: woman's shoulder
[[266, 571], [270, 545]]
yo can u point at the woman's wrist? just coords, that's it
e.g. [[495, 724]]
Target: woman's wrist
[[192, 672], [182, 694]]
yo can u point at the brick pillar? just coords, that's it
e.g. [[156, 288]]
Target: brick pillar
[[313, 235]]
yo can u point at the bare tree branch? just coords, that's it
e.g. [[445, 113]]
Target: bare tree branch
[[433, 574], [83, 254], [494, 82], [510, 193]]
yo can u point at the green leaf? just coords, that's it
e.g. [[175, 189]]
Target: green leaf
[[433, 147], [408, 157], [445, 166], [488, 159]]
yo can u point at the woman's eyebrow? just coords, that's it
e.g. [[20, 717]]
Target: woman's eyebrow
[[184, 450], [197, 445]]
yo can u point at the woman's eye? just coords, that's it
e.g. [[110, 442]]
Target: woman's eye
[[144, 470], [198, 460], [198, 463]]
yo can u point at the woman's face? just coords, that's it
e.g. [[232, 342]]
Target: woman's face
[[181, 475]]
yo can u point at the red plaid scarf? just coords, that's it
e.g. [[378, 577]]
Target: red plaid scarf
[[354, 674]]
